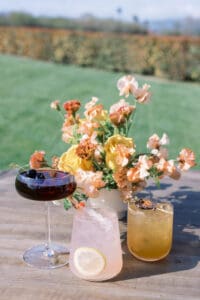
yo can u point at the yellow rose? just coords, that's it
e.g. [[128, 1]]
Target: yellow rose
[[71, 162], [111, 151]]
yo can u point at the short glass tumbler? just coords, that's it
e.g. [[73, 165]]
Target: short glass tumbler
[[95, 252], [150, 231]]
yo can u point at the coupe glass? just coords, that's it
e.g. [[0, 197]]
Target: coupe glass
[[45, 185]]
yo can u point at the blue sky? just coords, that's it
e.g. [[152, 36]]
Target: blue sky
[[145, 9]]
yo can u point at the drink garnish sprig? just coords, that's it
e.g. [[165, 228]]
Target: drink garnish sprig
[[145, 204], [142, 203]]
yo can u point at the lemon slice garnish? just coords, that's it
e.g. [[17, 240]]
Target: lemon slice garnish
[[89, 261]]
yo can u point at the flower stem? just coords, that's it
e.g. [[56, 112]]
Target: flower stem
[[61, 114]]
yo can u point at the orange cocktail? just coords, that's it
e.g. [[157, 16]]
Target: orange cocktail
[[149, 232]]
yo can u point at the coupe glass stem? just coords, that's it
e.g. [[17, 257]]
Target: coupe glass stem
[[48, 229]]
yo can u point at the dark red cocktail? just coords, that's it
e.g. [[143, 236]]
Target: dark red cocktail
[[45, 185]]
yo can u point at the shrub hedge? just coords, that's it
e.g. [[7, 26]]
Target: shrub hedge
[[163, 56]]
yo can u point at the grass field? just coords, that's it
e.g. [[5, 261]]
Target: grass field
[[27, 123]]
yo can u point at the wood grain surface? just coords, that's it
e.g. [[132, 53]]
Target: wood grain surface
[[22, 225]]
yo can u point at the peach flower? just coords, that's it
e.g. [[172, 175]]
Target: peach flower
[[172, 170], [68, 128], [55, 105], [154, 142], [133, 174], [93, 110], [122, 106], [87, 127], [144, 163], [142, 95], [91, 103], [120, 111], [55, 162], [127, 85], [168, 168], [71, 106], [186, 159], [68, 133], [90, 182], [96, 113], [141, 170], [120, 177], [86, 148], [123, 154], [37, 160], [161, 152], [124, 186]]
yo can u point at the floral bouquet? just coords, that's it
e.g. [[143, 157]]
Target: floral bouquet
[[102, 153]]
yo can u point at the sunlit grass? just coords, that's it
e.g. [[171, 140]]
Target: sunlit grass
[[27, 123]]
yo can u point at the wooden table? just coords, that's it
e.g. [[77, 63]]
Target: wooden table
[[22, 226]]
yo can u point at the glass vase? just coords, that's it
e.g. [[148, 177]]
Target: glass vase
[[112, 199]]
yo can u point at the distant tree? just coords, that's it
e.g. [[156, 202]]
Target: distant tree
[[177, 28], [136, 19], [146, 24], [191, 26], [119, 11], [85, 22], [20, 18]]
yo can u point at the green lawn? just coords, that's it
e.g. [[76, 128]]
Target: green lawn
[[27, 123]]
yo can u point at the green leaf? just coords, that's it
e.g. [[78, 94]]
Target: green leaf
[[67, 204], [80, 196]]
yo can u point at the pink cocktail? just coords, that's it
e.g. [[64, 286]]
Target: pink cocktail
[[95, 252]]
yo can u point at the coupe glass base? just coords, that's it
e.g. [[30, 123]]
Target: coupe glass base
[[39, 257]]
